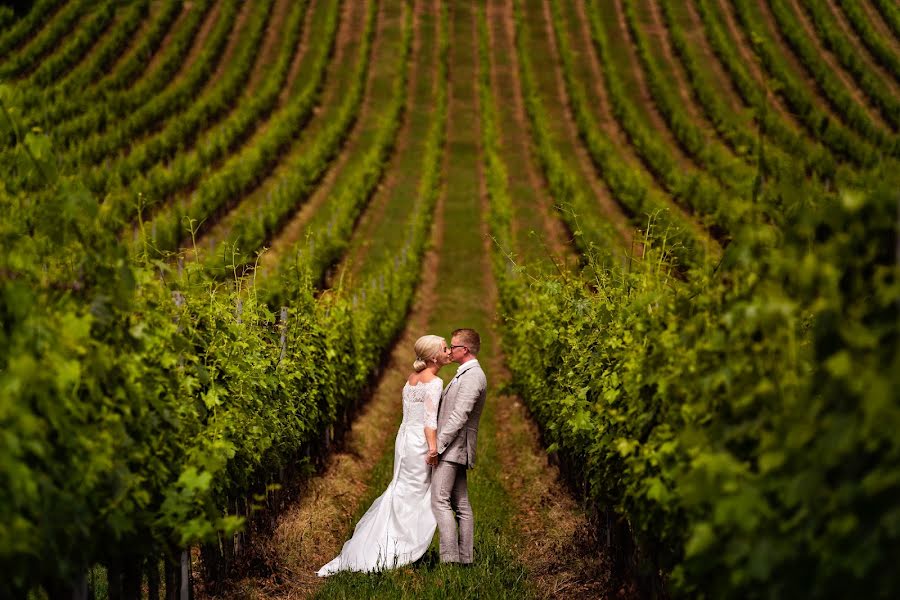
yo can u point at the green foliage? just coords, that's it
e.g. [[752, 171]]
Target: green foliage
[[743, 423]]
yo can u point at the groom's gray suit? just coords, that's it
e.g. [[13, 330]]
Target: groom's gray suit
[[457, 436]]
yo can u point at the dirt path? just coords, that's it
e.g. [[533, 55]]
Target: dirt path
[[849, 85]]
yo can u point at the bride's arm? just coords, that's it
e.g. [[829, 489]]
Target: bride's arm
[[431, 438], [431, 408]]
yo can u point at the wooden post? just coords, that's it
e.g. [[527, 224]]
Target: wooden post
[[186, 587]]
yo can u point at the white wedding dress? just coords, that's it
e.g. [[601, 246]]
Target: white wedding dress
[[398, 527]]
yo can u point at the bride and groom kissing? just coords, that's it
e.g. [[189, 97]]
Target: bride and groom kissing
[[435, 446]]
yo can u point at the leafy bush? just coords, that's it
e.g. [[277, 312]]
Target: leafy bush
[[744, 423]]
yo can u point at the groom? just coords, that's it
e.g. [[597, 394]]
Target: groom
[[458, 415]]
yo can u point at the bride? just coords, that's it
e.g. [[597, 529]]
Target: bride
[[398, 527]]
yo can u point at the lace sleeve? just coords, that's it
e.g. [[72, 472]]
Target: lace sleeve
[[432, 400]]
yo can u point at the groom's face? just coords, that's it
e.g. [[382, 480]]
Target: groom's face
[[458, 350]]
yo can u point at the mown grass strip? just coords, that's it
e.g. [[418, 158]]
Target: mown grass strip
[[414, 173]]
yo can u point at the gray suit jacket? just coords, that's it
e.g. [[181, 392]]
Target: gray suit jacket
[[459, 413]]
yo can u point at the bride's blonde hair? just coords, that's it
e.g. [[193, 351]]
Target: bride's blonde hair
[[427, 347]]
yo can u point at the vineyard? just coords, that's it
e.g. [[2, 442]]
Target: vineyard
[[675, 225]]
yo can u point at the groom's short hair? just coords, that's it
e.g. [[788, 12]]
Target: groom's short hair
[[468, 338]]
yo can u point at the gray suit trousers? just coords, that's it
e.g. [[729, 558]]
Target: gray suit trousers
[[449, 495]]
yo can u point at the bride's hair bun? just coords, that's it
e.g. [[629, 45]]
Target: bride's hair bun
[[426, 348]]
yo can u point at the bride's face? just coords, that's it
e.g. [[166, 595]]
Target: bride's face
[[443, 356]]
